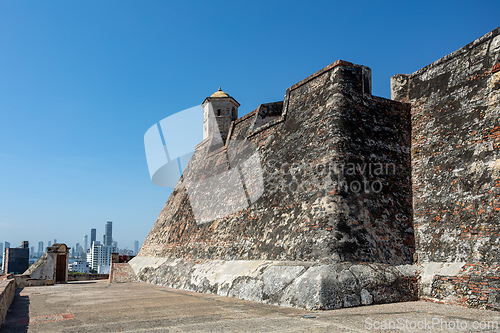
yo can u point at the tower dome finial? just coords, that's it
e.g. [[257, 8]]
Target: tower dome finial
[[220, 93]]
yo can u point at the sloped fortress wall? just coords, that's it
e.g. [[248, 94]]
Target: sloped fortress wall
[[455, 112], [335, 173], [309, 196]]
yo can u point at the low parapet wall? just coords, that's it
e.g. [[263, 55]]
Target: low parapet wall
[[7, 292], [23, 281], [86, 277]]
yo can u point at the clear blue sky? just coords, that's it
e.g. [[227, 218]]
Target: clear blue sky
[[82, 81]]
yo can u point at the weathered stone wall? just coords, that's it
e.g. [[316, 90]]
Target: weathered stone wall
[[87, 277], [331, 137], [7, 292], [475, 285], [455, 114], [43, 268], [299, 165], [121, 272], [301, 194]]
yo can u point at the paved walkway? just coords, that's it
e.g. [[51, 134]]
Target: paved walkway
[[96, 306]]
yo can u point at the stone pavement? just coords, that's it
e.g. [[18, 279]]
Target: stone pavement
[[97, 306]]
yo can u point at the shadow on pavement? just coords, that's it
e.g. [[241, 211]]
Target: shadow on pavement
[[18, 314]]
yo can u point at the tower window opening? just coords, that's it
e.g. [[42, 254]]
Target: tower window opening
[[218, 112]]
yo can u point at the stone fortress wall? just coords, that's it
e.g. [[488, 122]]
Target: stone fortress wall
[[330, 122], [301, 232], [456, 172]]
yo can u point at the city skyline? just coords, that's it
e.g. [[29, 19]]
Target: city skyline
[[84, 247], [36, 252], [74, 239]]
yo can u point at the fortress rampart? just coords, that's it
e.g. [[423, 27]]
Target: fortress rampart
[[346, 198]]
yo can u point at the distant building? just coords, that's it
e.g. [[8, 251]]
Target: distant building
[[32, 252], [49, 243], [26, 245], [108, 234], [80, 266], [93, 238], [7, 244], [41, 250], [103, 269], [99, 257], [85, 243], [80, 252], [136, 247], [126, 252], [89, 255]]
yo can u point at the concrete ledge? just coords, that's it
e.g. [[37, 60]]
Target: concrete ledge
[[7, 292], [309, 285]]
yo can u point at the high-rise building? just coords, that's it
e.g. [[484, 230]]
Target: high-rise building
[[55, 241], [92, 237], [85, 243], [49, 243], [32, 252], [136, 247], [40, 249], [1, 250], [7, 244], [99, 257], [108, 234]]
